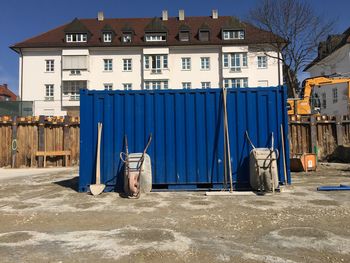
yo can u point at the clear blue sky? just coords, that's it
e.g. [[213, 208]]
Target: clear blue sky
[[21, 19]]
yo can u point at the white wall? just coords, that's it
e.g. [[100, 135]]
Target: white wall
[[196, 75], [337, 62], [334, 108], [117, 77], [35, 76]]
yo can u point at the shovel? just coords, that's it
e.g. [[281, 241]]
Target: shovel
[[98, 188]]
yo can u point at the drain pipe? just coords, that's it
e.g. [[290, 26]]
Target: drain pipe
[[21, 73]]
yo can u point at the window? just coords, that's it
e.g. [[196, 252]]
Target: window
[[186, 63], [127, 64], [107, 37], [107, 64], [126, 38], [155, 37], [156, 63], [205, 85], [71, 89], [50, 65], [335, 95], [49, 92], [205, 63], [263, 83], [236, 83], [146, 63], [74, 62], [225, 60], [165, 84], [233, 34], [153, 85], [127, 86], [204, 35], [75, 72], [324, 100], [76, 37], [165, 61], [186, 85], [235, 61], [262, 62], [108, 86], [184, 36]]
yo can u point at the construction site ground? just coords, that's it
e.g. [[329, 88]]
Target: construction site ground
[[44, 219]]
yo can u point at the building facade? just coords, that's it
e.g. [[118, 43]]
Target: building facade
[[143, 53], [333, 60]]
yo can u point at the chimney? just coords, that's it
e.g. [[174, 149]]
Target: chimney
[[100, 16], [214, 14], [5, 86], [165, 15], [181, 14]]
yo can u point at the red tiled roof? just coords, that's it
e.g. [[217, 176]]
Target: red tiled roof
[[6, 92], [56, 37]]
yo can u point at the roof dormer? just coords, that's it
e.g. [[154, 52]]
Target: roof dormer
[[233, 29], [127, 34], [204, 32], [156, 31], [184, 33], [76, 32], [108, 34]]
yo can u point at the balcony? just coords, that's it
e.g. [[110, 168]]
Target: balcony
[[156, 73], [70, 100]]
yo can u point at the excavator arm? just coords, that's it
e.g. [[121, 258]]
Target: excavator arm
[[303, 106]]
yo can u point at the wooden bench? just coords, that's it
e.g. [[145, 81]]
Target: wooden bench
[[54, 153]]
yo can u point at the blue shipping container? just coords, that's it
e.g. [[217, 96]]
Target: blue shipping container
[[188, 137]]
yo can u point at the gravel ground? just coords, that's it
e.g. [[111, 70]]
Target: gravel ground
[[44, 219]]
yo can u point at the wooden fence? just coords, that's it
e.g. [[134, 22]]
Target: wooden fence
[[318, 134], [23, 138], [28, 141]]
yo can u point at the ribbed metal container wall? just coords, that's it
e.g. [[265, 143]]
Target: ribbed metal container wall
[[187, 127]]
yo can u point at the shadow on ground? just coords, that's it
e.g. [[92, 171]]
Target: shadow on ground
[[70, 183]]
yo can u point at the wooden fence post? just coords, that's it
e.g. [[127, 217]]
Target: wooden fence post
[[313, 134], [41, 140], [14, 142], [66, 139], [339, 129]]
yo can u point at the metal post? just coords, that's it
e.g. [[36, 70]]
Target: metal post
[[14, 142], [340, 139], [66, 139], [313, 134], [41, 140]]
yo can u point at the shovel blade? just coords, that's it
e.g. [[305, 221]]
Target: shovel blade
[[97, 189]]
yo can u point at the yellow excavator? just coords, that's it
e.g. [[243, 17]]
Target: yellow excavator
[[308, 104]]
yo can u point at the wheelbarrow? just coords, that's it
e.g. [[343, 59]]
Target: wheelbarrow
[[133, 167]]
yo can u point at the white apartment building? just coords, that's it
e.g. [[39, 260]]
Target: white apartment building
[[143, 53], [333, 60]]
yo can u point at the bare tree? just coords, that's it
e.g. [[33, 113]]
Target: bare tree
[[299, 26]]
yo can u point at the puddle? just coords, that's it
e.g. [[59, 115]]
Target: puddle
[[53, 196], [204, 203], [24, 205], [146, 204], [324, 202], [86, 205], [261, 202], [15, 237], [300, 194], [303, 232], [131, 236]]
